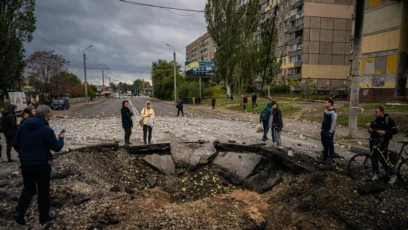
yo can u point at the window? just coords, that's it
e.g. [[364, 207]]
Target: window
[[284, 61], [295, 70], [296, 58]]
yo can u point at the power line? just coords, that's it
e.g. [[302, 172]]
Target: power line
[[182, 14], [162, 7], [53, 44]]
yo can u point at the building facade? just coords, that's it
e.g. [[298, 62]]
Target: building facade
[[384, 62], [201, 49]]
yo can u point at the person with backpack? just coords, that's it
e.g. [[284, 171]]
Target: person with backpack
[[179, 107], [9, 128], [148, 117], [383, 126], [127, 122], [264, 118], [276, 124]]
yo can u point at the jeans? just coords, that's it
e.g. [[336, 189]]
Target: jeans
[[266, 129], [328, 145], [254, 104], [35, 177], [178, 111], [128, 132], [244, 104], [147, 128], [377, 157], [276, 136]]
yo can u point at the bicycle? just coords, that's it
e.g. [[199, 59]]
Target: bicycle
[[361, 166]]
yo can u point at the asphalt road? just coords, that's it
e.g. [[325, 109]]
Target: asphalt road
[[112, 107]]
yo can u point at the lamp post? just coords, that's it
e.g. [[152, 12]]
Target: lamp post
[[85, 83], [175, 81]]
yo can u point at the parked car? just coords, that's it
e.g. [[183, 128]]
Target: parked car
[[60, 103]]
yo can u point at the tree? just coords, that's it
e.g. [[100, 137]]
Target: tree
[[17, 23], [228, 24], [163, 78], [44, 69]]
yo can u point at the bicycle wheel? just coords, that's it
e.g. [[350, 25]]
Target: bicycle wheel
[[402, 171], [361, 167]]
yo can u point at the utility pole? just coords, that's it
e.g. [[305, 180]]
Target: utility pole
[[175, 79], [103, 76], [276, 8], [85, 82], [355, 68]]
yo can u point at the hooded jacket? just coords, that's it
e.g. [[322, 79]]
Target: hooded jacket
[[145, 112], [380, 123], [329, 120], [127, 122], [11, 120], [34, 140], [276, 121], [267, 110]]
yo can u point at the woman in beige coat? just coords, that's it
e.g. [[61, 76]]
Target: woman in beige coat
[[148, 116]]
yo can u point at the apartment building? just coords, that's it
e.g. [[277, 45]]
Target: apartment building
[[201, 49], [314, 42], [384, 62]]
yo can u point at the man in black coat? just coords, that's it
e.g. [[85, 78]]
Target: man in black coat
[[254, 97], [127, 122], [9, 121], [180, 107]]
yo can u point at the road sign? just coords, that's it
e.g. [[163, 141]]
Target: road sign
[[200, 69]]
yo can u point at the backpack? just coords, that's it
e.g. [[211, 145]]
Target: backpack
[[265, 115]]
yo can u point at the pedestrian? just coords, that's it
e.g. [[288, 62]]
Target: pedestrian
[[327, 132], [25, 115], [254, 97], [33, 142], [244, 101], [213, 102], [264, 118], [276, 124], [382, 127], [180, 107], [127, 122], [9, 121], [193, 100], [32, 109], [148, 116]]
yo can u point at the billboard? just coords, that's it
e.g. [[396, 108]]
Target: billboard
[[200, 69], [18, 99]]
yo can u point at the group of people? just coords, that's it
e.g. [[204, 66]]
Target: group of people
[[245, 101], [271, 118], [33, 139]]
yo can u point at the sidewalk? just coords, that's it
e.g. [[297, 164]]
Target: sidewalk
[[295, 127]]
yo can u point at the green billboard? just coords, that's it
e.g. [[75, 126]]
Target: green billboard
[[200, 69]]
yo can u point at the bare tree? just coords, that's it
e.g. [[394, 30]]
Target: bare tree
[[44, 69]]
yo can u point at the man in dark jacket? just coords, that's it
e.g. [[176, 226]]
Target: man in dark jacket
[[180, 107], [327, 132], [9, 121], [276, 124], [127, 122], [33, 142], [382, 127], [254, 97]]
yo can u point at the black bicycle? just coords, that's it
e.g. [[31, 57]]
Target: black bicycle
[[362, 165]]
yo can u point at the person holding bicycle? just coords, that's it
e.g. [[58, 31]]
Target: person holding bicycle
[[382, 127]]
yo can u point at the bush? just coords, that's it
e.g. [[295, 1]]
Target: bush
[[279, 89]]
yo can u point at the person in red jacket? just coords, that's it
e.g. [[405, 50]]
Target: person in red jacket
[[213, 102], [244, 101]]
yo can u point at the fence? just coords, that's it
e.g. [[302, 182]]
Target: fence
[[77, 100], [317, 86]]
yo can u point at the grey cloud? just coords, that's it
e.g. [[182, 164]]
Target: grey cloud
[[125, 37]]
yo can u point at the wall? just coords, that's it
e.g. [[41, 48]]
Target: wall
[[325, 71]]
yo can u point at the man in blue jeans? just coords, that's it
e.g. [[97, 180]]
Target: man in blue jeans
[[327, 133]]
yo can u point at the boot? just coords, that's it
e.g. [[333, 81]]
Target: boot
[[47, 218], [150, 140], [19, 218]]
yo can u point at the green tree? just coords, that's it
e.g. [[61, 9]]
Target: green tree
[[91, 91], [229, 23], [163, 79], [17, 23]]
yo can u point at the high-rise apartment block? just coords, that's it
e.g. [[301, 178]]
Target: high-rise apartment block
[[384, 63], [201, 49]]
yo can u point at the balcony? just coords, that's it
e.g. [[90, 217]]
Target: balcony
[[297, 4], [295, 76], [295, 52]]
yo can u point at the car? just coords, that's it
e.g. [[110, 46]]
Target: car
[[60, 103]]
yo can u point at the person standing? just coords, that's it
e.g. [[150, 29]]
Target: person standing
[[244, 101], [254, 97], [382, 127], [327, 132], [33, 142], [276, 124], [213, 100], [264, 118], [9, 121], [193, 100], [180, 107], [127, 122], [25, 115], [148, 116]]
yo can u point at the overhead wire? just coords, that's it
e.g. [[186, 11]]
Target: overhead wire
[[161, 7]]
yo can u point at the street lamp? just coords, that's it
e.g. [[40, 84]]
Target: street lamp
[[86, 86], [175, 81]]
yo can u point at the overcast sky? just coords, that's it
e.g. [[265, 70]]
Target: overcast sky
[[127, 38]]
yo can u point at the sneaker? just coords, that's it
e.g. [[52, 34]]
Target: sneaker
[[49, 218], [19, 218], [375, 177], [263, 139], [393, 179]]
